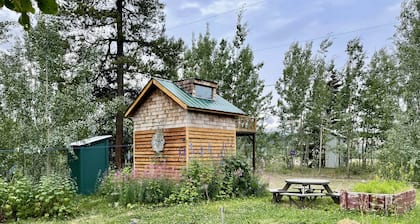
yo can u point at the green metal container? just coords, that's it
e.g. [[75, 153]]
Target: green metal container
[[89, 162]]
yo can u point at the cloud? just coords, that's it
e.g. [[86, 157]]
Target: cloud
[[8, 15], [394, 9], [222, 6], [190, 5], [279, 23]]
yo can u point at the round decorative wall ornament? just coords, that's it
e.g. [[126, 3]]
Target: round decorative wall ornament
[[158, 142]]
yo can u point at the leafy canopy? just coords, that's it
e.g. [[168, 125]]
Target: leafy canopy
[[25, 6]]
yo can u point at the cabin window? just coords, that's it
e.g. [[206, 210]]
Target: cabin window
[[204, 92]]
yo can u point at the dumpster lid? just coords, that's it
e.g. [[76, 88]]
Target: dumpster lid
[[88, 141]]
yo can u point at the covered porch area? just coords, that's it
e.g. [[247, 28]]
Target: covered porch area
[[247, 126]]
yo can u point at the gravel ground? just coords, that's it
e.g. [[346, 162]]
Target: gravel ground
[[336, 183]]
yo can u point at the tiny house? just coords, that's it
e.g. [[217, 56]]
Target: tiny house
[[177, 122]]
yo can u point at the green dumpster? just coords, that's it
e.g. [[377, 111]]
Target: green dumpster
[[89, 162]]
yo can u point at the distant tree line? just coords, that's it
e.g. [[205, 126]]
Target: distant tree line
[[373, 106]]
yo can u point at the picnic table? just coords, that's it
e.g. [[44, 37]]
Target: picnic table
[[304, 189]]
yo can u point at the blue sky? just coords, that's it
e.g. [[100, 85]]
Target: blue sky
[[275, 24]]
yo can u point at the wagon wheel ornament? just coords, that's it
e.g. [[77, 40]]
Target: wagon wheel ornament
[[158, 142]]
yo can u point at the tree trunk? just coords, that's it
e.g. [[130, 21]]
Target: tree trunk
[[348, 156], [320, 149], [120, 84]]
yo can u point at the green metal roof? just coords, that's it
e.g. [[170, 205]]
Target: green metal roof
[[219, 104]]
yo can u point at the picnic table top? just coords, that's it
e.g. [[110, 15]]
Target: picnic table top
[[307, 181]]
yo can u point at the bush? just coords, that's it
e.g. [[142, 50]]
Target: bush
[[124, 188], [20, 200], [52, 196], [233, 178], [55, 197], [201, 181], [3, 198], [382, 187]]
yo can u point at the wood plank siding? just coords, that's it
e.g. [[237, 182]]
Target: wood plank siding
[[207, 144], [168, 163], [204, 144]]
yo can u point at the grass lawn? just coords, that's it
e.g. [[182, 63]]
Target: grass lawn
[[250, 210]]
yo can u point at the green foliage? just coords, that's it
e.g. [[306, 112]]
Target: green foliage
[[187, 193], [238, 180], [201, 181], [25, 6], [212, 182], [52, 196], [407, 41], [204, 177], [240, 211], [382, 187], [3, 198], [55, 197], [399, 158], [305, 105], [20, 198], [230, 64], [124, 188], [46, 102]]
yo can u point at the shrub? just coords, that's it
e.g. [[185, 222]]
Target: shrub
[[124, 188], [238, 179], [52, 196], [20, 200], [55, 197], [233, 178], [205, 177], [3, 198], [187, 193], [201, 181], [382, 187]]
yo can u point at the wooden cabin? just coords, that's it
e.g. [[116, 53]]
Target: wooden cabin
[[177, 122]]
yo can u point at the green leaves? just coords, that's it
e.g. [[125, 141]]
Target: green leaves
[[22, 6], [25, 6], [47, 6], [231, 64], [52, 196], [24, 21]]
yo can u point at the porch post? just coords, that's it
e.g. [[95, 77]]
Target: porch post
[[253, 152]]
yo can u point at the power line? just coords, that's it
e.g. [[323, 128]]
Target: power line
[[216, 15], [328, 36]]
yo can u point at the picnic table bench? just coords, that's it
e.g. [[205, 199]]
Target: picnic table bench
[[302, 197], [305, 191]]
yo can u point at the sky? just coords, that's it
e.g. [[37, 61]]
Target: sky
[[274, 24]]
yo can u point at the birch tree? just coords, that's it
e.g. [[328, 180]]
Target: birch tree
[[293, 90], [349, 96]]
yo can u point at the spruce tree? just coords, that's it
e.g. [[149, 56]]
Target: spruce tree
[[231, 65], [130, 35]]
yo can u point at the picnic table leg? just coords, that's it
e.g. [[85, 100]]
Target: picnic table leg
[[330, 193], [328, 189], [276, 196], [284, 189]]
